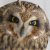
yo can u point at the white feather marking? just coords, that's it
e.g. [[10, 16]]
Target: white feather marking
[[9, 32], [17, 15], [35, 37], [33, 18], [39, 13]]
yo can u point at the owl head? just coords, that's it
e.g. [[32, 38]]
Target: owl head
[[27, 20]]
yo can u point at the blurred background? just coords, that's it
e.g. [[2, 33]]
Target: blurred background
[[44, 4]]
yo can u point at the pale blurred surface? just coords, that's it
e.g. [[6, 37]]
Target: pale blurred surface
[[44, 4]]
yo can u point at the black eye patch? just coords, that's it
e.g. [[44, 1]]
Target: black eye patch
[[12, 18], [34, 23]]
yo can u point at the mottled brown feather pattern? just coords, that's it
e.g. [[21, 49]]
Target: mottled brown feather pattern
[[29, 45], [13, 42]]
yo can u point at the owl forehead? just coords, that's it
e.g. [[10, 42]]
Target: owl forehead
[[24, 11], [25, 16]]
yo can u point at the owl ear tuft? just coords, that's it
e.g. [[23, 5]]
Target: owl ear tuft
[[1, 18]]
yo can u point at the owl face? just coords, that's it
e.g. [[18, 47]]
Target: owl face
[[24, 23]]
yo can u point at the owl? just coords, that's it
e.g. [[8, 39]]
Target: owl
[[23, 26]]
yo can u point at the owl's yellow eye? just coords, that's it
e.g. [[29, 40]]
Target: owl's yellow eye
[[34, 23], [13, 19], [30, 23]]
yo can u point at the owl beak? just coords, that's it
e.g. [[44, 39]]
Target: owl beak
[[22, 31]]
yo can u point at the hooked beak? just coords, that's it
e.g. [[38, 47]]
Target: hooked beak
[[22, 31]]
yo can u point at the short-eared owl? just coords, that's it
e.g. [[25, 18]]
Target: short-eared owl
[[23, 26]]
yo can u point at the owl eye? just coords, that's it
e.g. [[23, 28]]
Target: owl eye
[[34, 23], [13, 19]]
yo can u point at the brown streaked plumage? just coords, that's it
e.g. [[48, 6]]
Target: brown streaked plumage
[[21, 35]]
